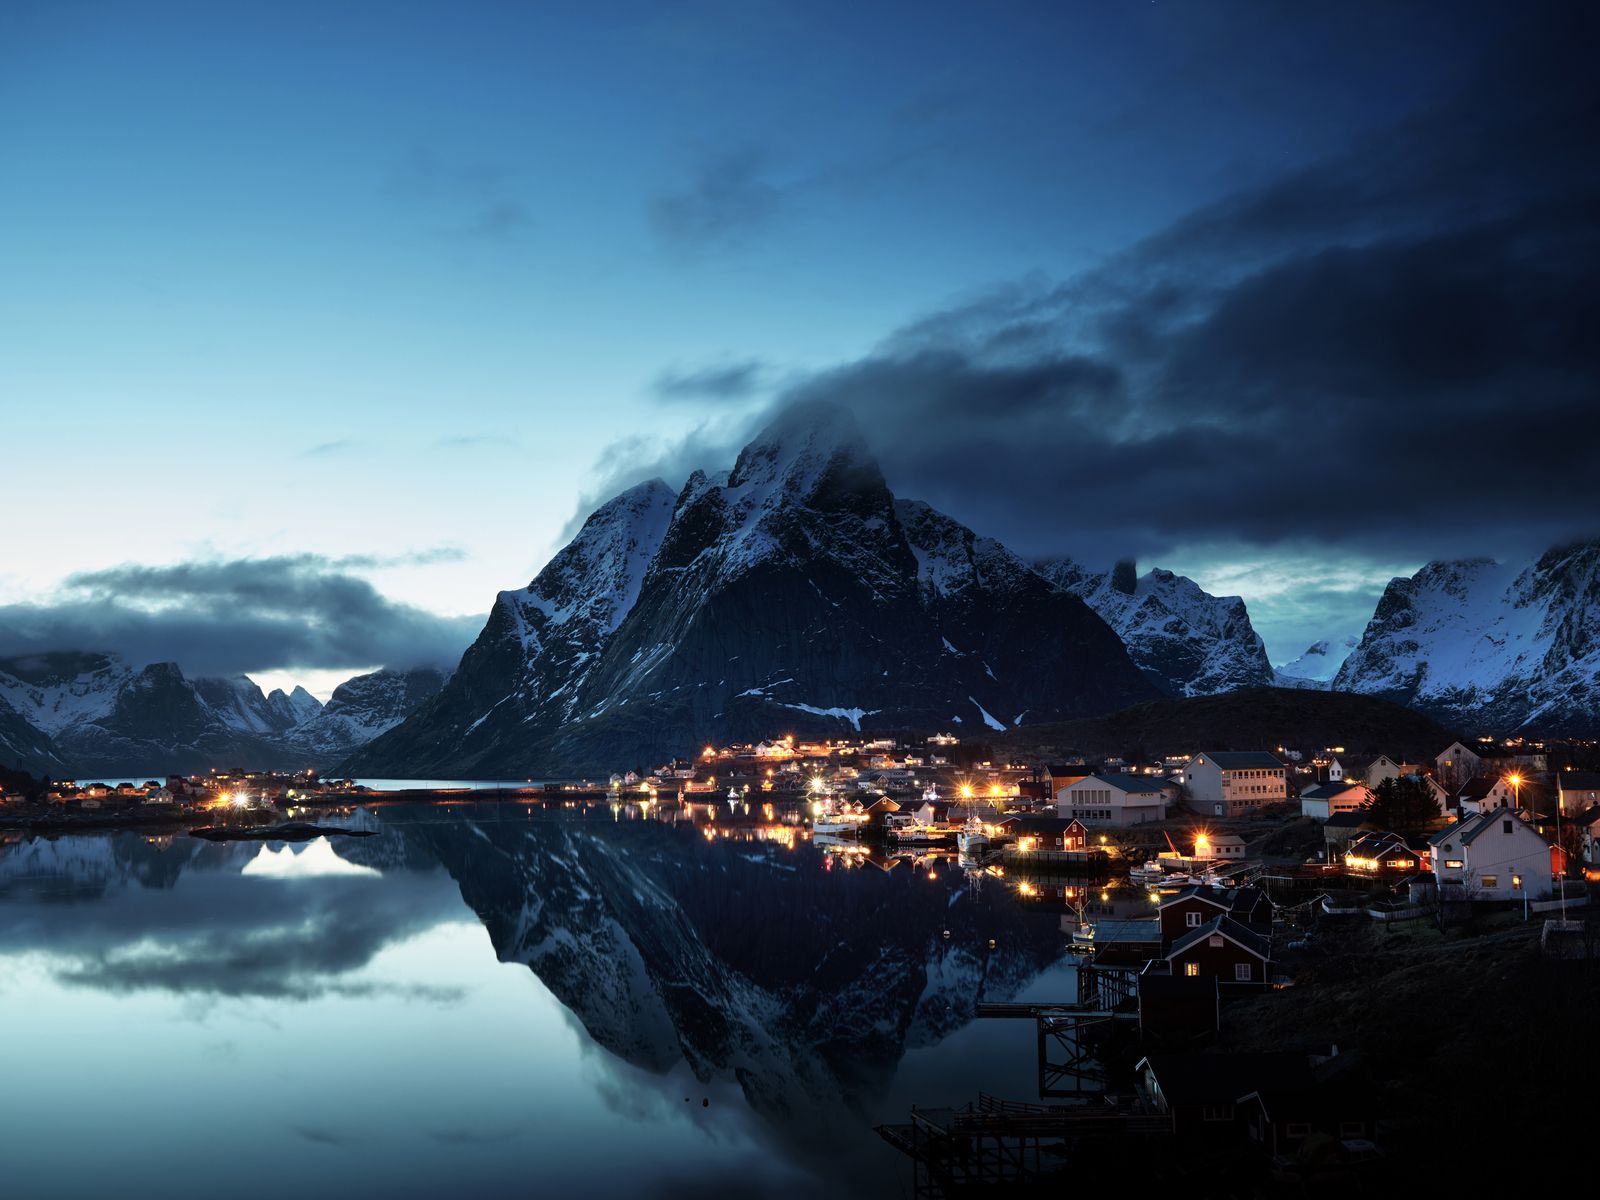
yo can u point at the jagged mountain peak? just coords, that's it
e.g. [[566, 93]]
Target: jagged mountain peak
[[1491, 646], [792, 592], [1187, 641], [801, 446]]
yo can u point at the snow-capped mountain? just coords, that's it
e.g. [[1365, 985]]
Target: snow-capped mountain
[[792, 592], [1186, 641], [1492, 646], [95, 715], [24, 747], [1317, 666], [238, 700], [359, 710]]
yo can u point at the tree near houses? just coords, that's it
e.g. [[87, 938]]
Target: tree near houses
[[1405, 806]]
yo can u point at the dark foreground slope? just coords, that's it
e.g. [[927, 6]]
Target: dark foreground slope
[[1252, 719]]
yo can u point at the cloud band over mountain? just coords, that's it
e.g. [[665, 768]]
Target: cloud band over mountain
[[226, 616]]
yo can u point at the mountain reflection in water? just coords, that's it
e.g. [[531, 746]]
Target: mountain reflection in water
[[332, 1019]]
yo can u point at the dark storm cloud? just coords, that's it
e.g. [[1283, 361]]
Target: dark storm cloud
[[222, 617], [1391, 351], [726, 381], [727, 198]]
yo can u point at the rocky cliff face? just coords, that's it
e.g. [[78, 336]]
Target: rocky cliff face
[[790, 593], [1186, 641], [1492, 647]]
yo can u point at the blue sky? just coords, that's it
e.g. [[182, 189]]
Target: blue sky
[[402, 281]]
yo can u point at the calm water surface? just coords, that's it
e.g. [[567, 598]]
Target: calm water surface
[[495, 1002]]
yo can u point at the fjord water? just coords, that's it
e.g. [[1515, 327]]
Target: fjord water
[[490, 1001]]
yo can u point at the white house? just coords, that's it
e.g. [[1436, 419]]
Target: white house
[[1364, 768], [1322, 801], [1485, 793], [1112, 799], [1494, 855], [1577, 791], [1235, 783]]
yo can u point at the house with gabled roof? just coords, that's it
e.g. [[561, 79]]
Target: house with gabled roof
[[1114, 799], [1370, 769], [1482, 793], [1493, 855], [1577, 791], [1323, 800], [1192, 907], [1045, 833], [1378, 853], [1224, 950]]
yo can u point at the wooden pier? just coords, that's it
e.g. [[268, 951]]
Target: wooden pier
[[995, 1143]]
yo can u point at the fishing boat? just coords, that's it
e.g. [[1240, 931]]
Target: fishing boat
[[840, 825], [1148, 872], [903, 827], [972, 838]]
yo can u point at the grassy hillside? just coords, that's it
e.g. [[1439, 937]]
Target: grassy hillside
[[1251, 719]]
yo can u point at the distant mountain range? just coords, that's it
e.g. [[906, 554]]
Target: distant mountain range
[[94, 715], [796, 593]]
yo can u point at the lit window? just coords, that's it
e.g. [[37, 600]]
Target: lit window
[[1516, 883], [1191, 969], [1491, 881]]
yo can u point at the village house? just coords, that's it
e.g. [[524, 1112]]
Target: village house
[[1495, 855], [1460, 761], [1224, 950], [1222, 846], [1201, 1091], [1282, 1117], [1587, 823], [1339, 830], [1232, 783], [1326, 800], [1187, 910], [1485, 793], [1369, 769], [1064, 775], [1382, 854], [1577, 791], [1046, 833], [1113, 800]]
